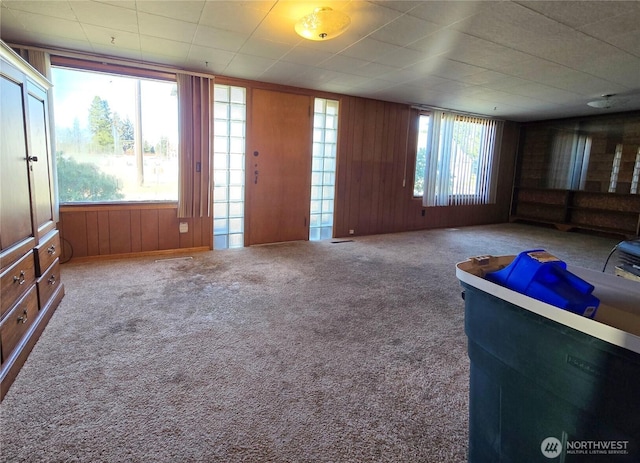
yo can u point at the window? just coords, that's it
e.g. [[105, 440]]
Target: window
[[228, 166], [116, 137], [456, 159], [323, 168], [421, 155]]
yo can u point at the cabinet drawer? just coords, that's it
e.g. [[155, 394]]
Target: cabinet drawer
[[18, 322], [47, 252], [15, 280], [48, 283]]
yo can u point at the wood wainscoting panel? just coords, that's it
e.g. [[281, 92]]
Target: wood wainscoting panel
[[121, 229], [136, 231], [93, 243], [168, 229], [75, 224], [120, 233], [104, 235], [149, 229]]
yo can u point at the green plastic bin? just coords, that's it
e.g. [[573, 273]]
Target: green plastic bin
[[542, 390]]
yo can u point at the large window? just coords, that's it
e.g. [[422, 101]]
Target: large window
[[116, 137], [457, 159]]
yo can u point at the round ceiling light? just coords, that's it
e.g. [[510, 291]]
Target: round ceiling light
[[323, 24], [607, 101]]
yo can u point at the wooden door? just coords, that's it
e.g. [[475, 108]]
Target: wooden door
[[15, 204], [278, 168], [42, 184]]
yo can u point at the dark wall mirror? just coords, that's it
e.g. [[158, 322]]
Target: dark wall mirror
[[598, 154]]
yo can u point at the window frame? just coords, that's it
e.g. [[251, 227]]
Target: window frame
[[420, 114], [73, 63], [485, 183]]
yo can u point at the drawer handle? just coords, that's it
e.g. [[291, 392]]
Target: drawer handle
[[23, 318], [51, 249], [19, 279], [52, 280]]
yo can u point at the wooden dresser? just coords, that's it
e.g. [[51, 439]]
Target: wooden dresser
[[29, 242]]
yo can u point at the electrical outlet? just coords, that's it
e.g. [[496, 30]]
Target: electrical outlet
[[351, 232], [184, 227]]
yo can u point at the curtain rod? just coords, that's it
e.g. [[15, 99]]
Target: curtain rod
[[110, 60], [460, 113]]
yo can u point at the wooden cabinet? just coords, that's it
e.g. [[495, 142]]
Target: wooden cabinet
[[29, 242], [567, 209]]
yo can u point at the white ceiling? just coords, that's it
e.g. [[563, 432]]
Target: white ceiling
[[519, 60]]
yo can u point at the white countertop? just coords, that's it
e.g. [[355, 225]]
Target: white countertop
[[617, 319]]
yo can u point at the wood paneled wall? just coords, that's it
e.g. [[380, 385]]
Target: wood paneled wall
[[371, 193], [374, 189], [103, 230], [376, 163]]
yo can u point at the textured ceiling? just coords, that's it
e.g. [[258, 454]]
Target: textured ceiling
[[519, 60]]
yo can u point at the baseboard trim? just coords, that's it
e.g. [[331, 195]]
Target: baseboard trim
[[128, 255]]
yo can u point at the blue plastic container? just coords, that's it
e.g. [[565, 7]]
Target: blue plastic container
[[540, 275]]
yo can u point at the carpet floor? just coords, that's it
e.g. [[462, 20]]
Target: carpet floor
[[345, 351]]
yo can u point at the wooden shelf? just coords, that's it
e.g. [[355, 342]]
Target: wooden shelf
[[566, 209]]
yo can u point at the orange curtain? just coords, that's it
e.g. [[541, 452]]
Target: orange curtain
[[195, 105]]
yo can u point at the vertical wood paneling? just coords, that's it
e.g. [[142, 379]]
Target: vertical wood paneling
[[344, 167], [136, 231], [150, 231], [93, 244], [377, 152], [374, 155], [404, 162], [119, 232], [108, 230], [168, 225], [186, 239], [198, 238], [366, 218], [356, 164], [197, 232], [378, 170], [104, 244], [385, 205], [74, 225]]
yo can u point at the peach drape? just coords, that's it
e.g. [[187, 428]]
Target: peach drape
[[195, 121]]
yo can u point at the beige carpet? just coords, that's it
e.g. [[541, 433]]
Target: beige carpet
[[299, 352]]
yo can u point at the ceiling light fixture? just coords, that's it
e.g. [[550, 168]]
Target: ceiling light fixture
[[323, 24], [607, 102]]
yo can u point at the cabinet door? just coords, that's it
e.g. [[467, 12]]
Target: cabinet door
[[15, 223], [41, 175]]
